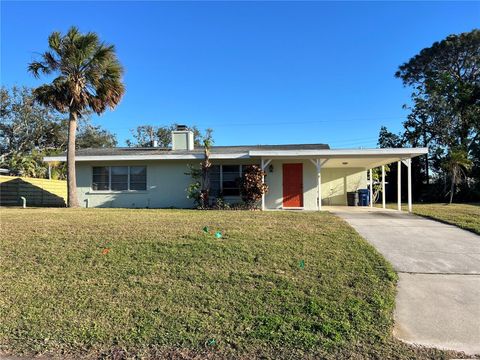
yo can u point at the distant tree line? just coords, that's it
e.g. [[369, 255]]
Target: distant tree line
[[444, 116], [146, 135], [29, 131]]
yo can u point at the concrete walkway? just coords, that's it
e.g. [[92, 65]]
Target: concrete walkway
[[438, 300]]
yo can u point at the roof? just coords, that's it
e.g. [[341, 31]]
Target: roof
[[121, 151], [331, 157]]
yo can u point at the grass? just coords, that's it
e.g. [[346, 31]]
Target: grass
[[151, 283], [465, 216]]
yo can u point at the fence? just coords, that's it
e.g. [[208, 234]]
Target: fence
[[38, 192]]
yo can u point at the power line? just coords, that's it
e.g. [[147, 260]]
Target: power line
[[259, 123]]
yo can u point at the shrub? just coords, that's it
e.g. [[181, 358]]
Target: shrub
[[252, 186]]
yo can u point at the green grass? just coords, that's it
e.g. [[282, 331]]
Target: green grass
[[166, 288], [466, 216]]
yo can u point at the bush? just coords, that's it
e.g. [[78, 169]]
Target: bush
[[252, 186]]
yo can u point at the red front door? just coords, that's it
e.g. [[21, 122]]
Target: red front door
[[292, 185]]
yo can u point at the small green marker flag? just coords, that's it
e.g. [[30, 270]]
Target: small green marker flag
[[205, 229], [301, 264], [218, 235], [211, 342]]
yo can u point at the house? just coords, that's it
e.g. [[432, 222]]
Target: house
[[297, 175]]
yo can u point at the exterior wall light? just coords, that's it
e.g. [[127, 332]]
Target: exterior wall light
[[270, 168]]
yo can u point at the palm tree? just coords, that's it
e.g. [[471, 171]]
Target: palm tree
[[88, 78], [456, 163]]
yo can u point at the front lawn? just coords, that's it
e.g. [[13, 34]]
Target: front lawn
[[153, 283], [466, 216]]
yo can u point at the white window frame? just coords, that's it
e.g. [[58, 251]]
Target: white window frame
[[110, 179]]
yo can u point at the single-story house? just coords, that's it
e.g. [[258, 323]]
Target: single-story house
[[303, 176]]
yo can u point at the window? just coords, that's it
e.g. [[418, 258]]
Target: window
[[225, 180], [138, 178], [215, 178], [119, 178], [101, 178], [231, 177]]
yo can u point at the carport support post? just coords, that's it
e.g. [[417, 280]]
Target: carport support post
[[264, 166], [318, 164], [409, 170], [384, 196], [371, 187], [319, 185], [399, 186]]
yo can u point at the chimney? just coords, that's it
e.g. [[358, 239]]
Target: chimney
[[182, 138]]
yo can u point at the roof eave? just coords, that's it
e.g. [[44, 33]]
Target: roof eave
[[402, 153]]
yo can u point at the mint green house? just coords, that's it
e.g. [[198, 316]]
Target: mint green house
[[302, 176]]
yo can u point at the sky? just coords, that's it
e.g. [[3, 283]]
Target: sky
[[254, 72]]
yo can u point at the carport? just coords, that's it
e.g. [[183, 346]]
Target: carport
[[364, 159]]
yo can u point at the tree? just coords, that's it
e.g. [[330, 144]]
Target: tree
[[199, 189], [446, 82], [88, 78], [387, 139], [456, 163], [26, 125], [29, 131], [445, 110], [91, 136], [145, 135], [206, 164]]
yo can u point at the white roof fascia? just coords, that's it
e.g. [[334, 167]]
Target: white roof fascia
[[404, 152], [327, 153], [147, 157]]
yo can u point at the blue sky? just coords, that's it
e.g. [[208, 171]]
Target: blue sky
[[255, 72]]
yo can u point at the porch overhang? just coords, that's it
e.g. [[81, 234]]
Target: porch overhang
[[346, 158]]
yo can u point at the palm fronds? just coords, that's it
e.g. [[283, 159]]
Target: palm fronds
[[89, 73]]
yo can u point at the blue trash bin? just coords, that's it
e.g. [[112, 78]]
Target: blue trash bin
[[363, 197]]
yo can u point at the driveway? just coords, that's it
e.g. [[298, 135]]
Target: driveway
[[438, 300]]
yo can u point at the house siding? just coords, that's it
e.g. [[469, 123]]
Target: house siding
[[336, 182], [166, 184], [167, 181]]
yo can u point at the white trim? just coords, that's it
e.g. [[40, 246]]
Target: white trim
[[264, 165], [318, 165], [147, 157], [409, 184], [384, 196], [371, 187], [328, 153], [399, 185], [263, 182], [110, 192], [341, 152]]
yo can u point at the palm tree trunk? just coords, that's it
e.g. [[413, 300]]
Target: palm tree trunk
[[71, 178], [452, 188]]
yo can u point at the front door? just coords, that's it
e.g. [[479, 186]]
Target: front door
[[292, 185]]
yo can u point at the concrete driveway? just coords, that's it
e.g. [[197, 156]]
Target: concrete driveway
[[438, 300]]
